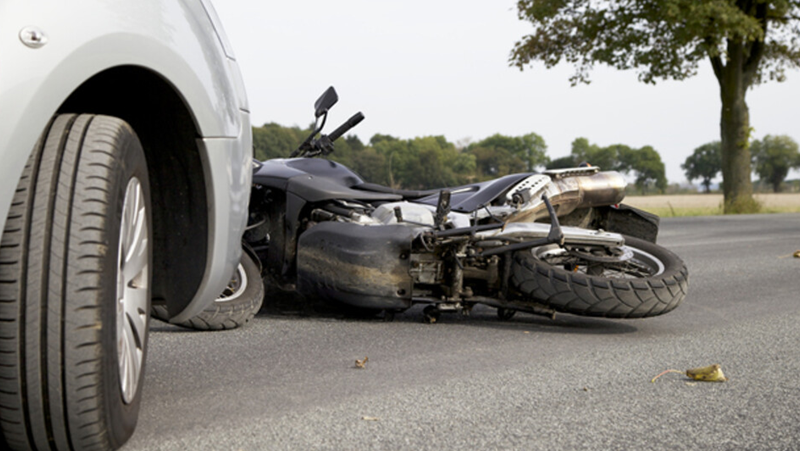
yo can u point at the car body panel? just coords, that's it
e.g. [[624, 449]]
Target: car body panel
[[174, 39], [229, 197]]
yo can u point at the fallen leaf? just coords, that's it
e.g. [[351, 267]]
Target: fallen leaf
[[797, 254], [526, 332], [370, 418], [362, 363], [710, 373]]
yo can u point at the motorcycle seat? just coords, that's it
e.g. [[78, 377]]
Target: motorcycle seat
[[406, 193]]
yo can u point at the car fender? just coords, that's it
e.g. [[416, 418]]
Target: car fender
[[176, 40]]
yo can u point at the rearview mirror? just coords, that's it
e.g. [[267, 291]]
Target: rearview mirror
[[325, 101]]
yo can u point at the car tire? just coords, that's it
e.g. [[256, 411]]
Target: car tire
[[75, 272]]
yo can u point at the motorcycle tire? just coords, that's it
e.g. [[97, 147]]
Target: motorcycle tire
[[75, 270], [235, 307], [652, 282]]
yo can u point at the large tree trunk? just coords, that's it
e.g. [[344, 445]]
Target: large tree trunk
[[735, 133], [776, 187]]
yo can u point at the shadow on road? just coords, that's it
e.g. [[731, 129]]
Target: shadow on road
[[291, 307]]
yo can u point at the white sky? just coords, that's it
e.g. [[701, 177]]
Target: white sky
[[418, 68]]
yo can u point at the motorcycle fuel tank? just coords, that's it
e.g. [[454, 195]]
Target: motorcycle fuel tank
[[314, 180]]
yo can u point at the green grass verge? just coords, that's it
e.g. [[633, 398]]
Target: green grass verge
[[667, 212]]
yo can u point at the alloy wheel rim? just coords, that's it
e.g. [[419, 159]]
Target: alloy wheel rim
[[634, 263], [236, 286], [132, 289]]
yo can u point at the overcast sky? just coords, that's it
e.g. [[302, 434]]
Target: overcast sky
[[418, 68]]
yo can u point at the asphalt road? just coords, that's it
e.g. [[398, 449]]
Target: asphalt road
[[287, 381]]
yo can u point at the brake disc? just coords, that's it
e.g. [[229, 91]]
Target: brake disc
[[602, 254]]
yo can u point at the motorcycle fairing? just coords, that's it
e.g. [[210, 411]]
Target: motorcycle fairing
[[468, 198], [315, 180], [361, 266]]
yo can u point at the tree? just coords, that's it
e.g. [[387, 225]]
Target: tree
[[530, 149], [423, 163], [370, 165], [774, 156], [562, 163], [276, 141], [704, 163], [603, 157], [493, 162], [646, 165], [746, 41]]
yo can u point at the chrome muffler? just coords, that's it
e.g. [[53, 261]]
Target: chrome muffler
[[567, 189]]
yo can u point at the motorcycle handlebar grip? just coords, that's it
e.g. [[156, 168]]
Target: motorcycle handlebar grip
[[352, 122]]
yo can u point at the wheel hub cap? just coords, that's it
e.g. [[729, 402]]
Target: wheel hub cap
[[132, 289]]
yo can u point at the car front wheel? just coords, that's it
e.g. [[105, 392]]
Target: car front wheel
[[75, 272]]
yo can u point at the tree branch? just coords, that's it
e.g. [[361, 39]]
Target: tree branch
[[716, 61], [756, 50]]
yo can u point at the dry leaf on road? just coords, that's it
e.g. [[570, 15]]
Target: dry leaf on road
[[710, 373]]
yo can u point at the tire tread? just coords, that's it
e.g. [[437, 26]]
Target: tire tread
[[586, 295], [226, 315], [50, 325]]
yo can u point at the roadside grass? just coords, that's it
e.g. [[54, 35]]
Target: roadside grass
[[709, 204]]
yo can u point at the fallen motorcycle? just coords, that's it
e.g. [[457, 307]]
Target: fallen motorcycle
[[558, 241]]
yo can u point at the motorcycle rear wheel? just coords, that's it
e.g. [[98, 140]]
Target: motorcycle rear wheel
[[653, 281], [234, 308]]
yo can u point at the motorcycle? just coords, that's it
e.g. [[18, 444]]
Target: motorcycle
[[556, 241]]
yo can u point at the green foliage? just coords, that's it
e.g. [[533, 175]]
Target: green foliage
[[276, 141], [427, 162], [493, 162], [433, 162], [499, 155], [530, 149], [741, 206], [773, 157], [378, 138], [562, 163], [746, 41], [605, 158], [419, 163], [704, 164], [645, 163], [663, 39]]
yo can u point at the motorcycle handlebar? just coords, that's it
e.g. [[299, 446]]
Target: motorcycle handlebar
[[352, 122]]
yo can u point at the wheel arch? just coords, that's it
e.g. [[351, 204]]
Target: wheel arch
[[179, 183]]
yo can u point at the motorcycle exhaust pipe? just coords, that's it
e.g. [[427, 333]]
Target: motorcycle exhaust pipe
[[571, 192], [603, 188]]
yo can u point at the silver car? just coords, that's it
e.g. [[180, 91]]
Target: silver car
[[125, 143]]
